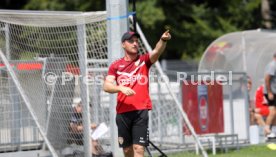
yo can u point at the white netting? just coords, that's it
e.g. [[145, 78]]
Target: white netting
[[18, 129], [50, 19], [47, 52]]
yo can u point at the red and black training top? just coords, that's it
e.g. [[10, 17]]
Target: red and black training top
[[133, 74]]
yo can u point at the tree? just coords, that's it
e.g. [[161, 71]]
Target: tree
[[65, 5], [12, 4], [194, 23]]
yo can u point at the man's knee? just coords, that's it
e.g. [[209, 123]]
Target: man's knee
[[274, 109], [139, 149], [258, 116], [128, 150]]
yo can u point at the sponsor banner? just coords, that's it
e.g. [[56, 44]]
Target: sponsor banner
[[203, 105]]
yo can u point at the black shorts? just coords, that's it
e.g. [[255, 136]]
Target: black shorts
[[271, 102], [133, 128]]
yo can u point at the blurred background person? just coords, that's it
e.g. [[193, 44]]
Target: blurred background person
[[261, 111], [76, 129], [270, 94]]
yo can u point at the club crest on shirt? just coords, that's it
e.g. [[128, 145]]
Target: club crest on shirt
[[137, 62], [121, 140]]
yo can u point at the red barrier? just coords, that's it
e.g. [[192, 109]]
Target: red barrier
[[204, 107]]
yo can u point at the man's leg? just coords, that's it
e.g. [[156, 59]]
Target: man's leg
[[252, 117], [259, 118], [123, 122], [138, 150], [128, 151], [269, 119], [96, 147], [273, 128], [140, 133]]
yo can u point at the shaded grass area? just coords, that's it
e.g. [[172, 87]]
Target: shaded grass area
[[250, 151]]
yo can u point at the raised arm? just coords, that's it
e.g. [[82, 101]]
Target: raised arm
[[110, 87], [160, 47]]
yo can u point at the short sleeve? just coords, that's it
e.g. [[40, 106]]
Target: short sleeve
[[270, 69], [112, 70]]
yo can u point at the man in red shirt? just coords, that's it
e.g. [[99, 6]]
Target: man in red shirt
[[131, 74], [261, 110]]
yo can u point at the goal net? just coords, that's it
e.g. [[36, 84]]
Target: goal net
[[49, 61]]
